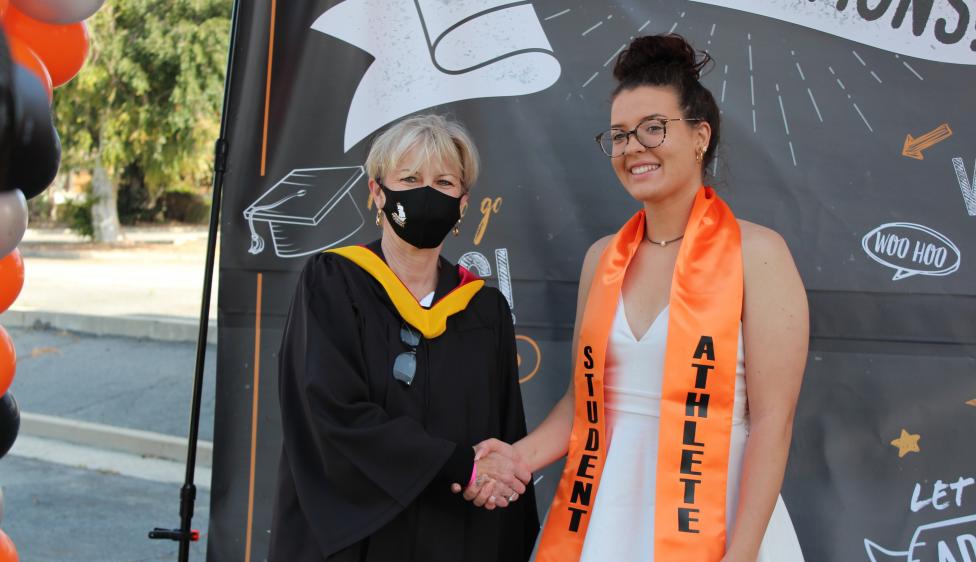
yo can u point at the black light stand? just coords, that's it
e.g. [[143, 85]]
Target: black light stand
[[188, 493]]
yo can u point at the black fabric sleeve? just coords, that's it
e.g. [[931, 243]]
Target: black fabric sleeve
[[364, 453], [457, 469]]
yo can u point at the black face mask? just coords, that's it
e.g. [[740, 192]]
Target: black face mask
[[421, 216]]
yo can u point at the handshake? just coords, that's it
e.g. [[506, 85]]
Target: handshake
[[501, 475]]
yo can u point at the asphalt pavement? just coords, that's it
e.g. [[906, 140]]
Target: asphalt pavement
[[125, 382], [106, 342], [59, 513]]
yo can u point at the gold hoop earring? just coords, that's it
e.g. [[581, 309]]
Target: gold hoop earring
[[700, 154], [457, 228], [379, 216]]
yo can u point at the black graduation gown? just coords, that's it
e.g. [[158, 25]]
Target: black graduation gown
[[367, 462]]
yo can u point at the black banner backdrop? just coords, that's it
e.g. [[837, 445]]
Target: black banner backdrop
[[847, 127]]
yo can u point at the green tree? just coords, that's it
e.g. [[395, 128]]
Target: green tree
[[148, 98]]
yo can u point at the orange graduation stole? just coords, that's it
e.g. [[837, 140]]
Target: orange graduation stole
[[697, 395]]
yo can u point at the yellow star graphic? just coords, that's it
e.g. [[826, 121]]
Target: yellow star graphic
[[906, 443]]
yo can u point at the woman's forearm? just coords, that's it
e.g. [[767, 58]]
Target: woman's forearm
[[763, 465], [549, 441]]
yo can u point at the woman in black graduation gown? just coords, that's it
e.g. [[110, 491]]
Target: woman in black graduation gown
[[394, 363]]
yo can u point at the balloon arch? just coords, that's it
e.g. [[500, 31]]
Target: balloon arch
[[43, 45]]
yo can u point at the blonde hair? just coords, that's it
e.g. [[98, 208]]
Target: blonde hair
[[439, 140]]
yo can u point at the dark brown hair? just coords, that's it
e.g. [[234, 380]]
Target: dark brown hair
[[669, 60]]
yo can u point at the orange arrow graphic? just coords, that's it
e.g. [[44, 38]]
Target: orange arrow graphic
[[914, 146]]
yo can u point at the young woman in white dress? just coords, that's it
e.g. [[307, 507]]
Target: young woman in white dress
[[674, 122]]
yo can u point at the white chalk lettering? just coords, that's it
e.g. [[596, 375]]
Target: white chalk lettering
[[968, 188], [943, 495], [967, 547], [959, 485], [939, 493], [911, 249], [937, 31], [891, 245]]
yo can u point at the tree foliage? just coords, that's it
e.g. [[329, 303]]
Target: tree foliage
[[150, 94]]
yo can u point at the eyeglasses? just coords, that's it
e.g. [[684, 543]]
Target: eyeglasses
[[405, 364], [650, 133]]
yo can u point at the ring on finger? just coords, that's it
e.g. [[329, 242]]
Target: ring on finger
[[513, 497]]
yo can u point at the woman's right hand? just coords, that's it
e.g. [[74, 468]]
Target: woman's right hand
[[503, 463], [502, 475]]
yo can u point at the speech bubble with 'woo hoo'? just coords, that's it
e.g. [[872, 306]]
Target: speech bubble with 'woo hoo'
[[911, 249]]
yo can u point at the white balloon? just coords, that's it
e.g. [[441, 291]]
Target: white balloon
[[13, 220], [58, 12]]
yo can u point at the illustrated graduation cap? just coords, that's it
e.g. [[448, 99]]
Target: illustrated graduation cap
[[307, 211]]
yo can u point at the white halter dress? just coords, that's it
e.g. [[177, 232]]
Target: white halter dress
[[622, 522]]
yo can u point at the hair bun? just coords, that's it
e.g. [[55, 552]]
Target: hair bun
[[668, 50]]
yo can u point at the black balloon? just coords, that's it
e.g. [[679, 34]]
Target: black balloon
[[9, 423], [36, 148], [6, 108]]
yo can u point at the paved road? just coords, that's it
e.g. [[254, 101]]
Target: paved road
[[125, 382], [55, 513], [70, 502], [157, 283]]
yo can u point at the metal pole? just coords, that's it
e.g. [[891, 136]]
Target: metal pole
[[185, 535]]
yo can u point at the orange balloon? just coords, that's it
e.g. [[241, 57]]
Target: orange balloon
[[8, 553], [62, 48], [23, 54], [8, 363], [11, 278]]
